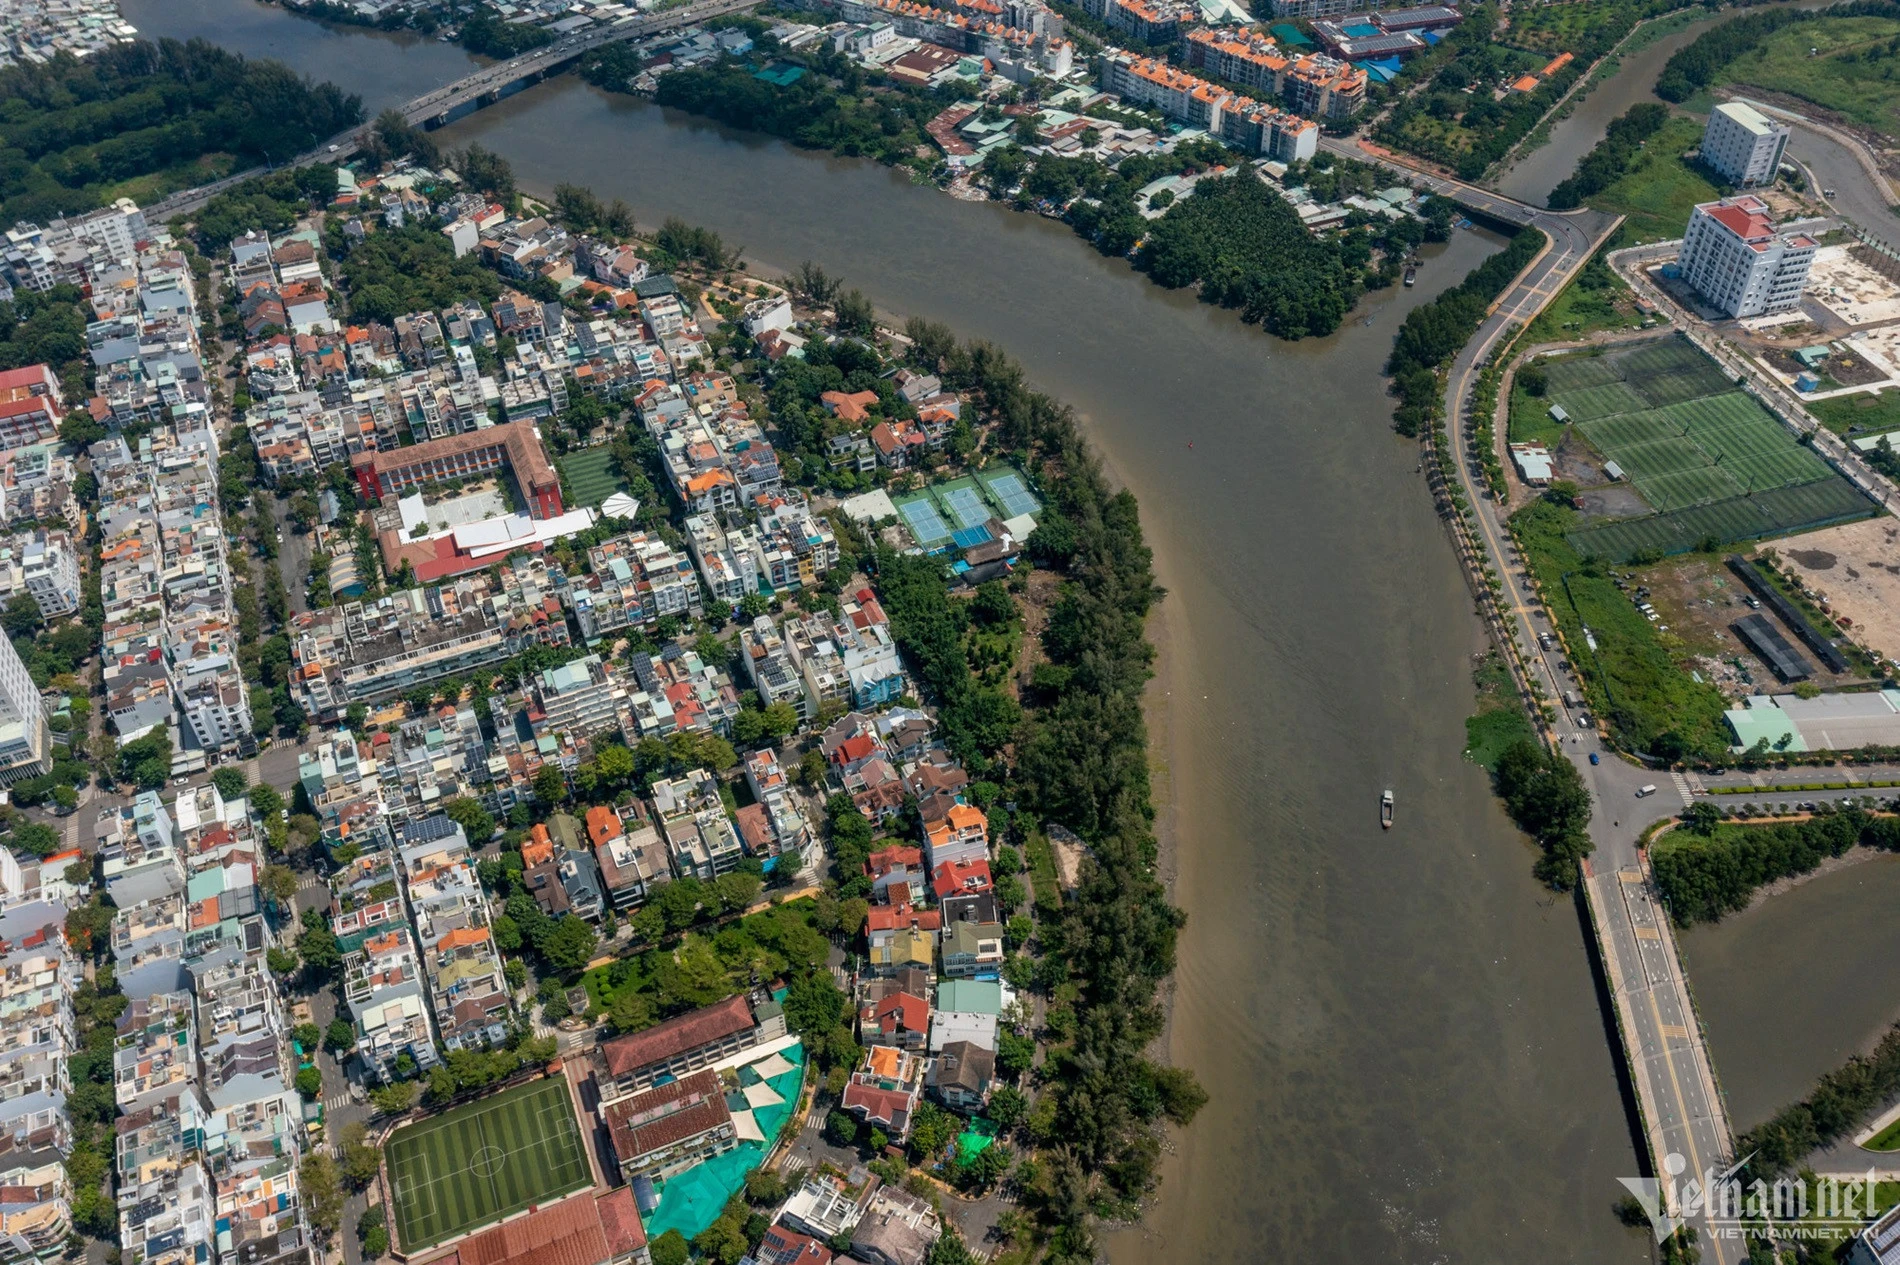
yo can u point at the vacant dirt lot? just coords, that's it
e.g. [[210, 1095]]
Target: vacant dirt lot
[[1857, 568]]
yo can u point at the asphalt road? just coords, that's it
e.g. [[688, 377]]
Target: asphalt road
[[1682, 1110]]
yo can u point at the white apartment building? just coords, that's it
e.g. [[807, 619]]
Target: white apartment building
[[50, 571], [579, 698], [25, 738], [1737, 259], [1743, 145]]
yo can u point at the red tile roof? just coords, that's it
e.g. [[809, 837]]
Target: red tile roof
[[566, 1233], [952, 878], [636, 1050], [902, 1012], [666, 1114], [891, 917]]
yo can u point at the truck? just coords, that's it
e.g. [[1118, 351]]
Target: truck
[[1571, 699]]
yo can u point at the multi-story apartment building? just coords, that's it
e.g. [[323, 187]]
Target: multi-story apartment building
[[580, 698], [453, 934], [26, 740], [631, 855], [633, 581], [368, 651], [1736, 258], [702, 839], [385, 991], [50, 571], [1251, 125], [1743, 145], [769, 666]]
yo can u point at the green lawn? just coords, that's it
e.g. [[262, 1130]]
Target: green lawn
[[1660, 189], [1580, 310], [473, 1165], [1530, 420], [1635, 679], [590, 476], [1869, 414], [1888, 1139], [1855, 74]]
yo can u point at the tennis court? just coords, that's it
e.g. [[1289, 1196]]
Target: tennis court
[[963, 503], [473, 1165], [1010, 491], [926, 525]]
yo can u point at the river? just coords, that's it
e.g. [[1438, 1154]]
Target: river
[[1793, 986], [1399, 1031]]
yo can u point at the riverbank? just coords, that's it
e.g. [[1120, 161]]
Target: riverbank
[[1331, 978], [1199, 216]]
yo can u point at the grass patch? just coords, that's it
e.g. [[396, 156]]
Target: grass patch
[[1500, 719], [1634, 679], [1888, 1139], [1041, 859], [1866, 414], [590, 476], [1660, 188], [478, 1163], [1856, 74], [1588, 304], [1530, 420]]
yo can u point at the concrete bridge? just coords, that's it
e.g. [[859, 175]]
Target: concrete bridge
[[442, 106]]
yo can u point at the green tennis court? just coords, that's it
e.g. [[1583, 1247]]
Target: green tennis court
[[473, 1165], [1009, 490], [920, 514], [962, 503]]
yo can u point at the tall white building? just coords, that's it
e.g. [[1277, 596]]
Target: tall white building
[[1737, 259], [1743, 145], [25, 738]]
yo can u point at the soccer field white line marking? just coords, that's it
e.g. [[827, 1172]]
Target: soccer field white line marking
[[542, 1114]]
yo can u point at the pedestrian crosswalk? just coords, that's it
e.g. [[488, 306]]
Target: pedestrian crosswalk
[[334, 1101], [1682, 788]]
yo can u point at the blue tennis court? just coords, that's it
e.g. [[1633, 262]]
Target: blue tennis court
[[926, 525], [963, 503], [971, 537], [1010, 491]]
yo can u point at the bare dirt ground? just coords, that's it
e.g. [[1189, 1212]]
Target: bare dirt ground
[[1856, 567]]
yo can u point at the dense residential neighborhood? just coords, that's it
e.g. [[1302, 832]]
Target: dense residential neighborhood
[[564, 623]]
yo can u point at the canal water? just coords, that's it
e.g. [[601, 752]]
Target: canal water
[[1533, 177], [1794, 986], [1399, 1030]]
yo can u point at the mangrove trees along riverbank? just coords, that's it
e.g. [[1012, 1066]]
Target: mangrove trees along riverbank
[[1234, 237], [143, 119], [1698, 65], [1605, 164], [1433, 333], [1081, 761], [1709, 867]]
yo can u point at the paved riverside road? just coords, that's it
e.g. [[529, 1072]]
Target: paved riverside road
[[1681, 1107]]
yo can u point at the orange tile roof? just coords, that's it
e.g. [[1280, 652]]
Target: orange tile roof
[[462, 936]]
